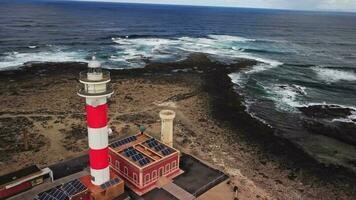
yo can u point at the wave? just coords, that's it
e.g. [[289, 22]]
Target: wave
[[16, 59], [231, 38], [222, 48], [331, 75], [135, 50], [286, 97]]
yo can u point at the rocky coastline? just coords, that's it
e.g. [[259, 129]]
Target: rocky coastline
[[212, 124]]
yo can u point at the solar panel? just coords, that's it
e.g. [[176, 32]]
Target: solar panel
[[166, 152], [141, 162], [137, 157], [159, 147], [58, 194], [134, 157], [131, 153], [109, 183], [78, 185], [69, 189], [45, 196]]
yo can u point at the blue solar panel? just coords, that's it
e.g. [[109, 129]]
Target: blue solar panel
[[69, 189], [134, 157], [78, 185], [144, 161], [141, 162], [45, 196], [159, 147], [166, 151], [109, 183], [58, 194]]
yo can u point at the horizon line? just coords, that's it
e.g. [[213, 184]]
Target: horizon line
[[216, 6], [195, 5]]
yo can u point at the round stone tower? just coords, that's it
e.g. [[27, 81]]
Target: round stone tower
[[167, 117]]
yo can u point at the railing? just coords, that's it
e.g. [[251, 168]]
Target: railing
[[95, 90], [83, 76]]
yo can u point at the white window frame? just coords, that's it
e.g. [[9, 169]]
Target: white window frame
[[174, 164], [168, 168], [154, 174], [147, 180], [159, 171], [117, 165], [126, 171], [134, 176]]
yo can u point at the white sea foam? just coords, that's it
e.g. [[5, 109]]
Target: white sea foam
[[334, 75], [133, 52], [231, 38], [349, 119], [286, 97], [15, 59], [223, 48]]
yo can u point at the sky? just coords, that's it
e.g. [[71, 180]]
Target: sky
[[333, 5]]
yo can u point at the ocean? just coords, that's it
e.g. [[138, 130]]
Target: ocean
[[305, 58]]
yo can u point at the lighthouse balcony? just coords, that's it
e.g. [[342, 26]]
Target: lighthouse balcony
[[87, 77], [99, 90]]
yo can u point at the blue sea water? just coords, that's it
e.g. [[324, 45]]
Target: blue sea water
[[305, 57]]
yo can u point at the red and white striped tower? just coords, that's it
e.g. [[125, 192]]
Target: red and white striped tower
[[96, 93]]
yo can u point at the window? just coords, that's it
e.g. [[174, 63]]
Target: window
[[135, 177], [161, 171], [147, 178], [117, 165], [154, 174], [174, 164], [168, 167], [126, 171]]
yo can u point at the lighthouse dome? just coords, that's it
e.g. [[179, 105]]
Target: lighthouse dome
[[94, 63]]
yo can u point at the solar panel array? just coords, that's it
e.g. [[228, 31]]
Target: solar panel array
[[64, 192], [109, 183], [136, 156], [153, 144], [123, 141], [144, 161]]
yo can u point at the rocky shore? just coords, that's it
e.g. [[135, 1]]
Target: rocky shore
[[40, 100]]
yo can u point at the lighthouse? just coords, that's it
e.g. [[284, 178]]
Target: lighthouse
[[96, 91]]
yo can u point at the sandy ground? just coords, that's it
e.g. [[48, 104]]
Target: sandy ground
[[56, 125]]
